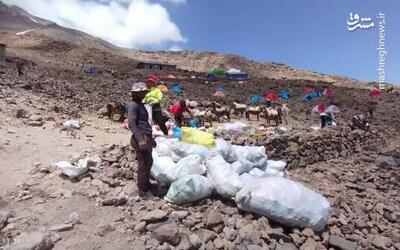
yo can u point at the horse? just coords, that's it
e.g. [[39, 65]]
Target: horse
[[114, 108], [239, 108], [273, 115], [253, 111]]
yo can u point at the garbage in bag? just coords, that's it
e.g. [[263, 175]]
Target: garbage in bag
[[242, 165], [277, 165], [71, 124], [189, 165], [249, 179], [189, 188], [257, 172], [195, 136], [223, 148], [285, 201], [81, 167], [165, 146], [162, 167], [177, 133], [183, 150], [226, 181], [236, 127], [270, 172], [255, 154]]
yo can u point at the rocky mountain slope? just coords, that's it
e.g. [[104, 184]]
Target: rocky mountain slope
[[16, 21]]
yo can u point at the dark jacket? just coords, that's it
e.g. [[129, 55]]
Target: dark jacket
[[138, 121]]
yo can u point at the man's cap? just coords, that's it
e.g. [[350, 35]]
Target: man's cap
[[139, 87]]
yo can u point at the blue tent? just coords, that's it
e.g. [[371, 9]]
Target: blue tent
[[307, 97], [256, 99], [285, 95], [221, 90], [176, 89], [237, 76], [211, 77], [311, 95]]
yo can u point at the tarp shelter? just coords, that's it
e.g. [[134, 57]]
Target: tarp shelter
[[171, 77], [91, 70], [332, 109], [256, 99], [328, 92], [218, 72], [219, 94], [221, 89], [285, 95], [176, 89], [237, 76], [210, 77], [273, 96], [163, 88], [319, 108], [308, 90], [375, 92]]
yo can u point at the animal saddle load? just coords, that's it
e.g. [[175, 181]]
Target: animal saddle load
[[254, 109], [272, 112]]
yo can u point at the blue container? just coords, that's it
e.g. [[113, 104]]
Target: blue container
[[177, 133]]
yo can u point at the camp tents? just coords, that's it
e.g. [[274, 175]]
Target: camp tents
[[176, 89], [238, 76], [319, 108], [254, 99], [272, 96], [285, 95], [218, 72]]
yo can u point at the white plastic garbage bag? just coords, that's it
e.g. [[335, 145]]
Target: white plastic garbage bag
[[270, 172], [249, 179], [226, 181], [183, 150], [254, 154], [285, 201], [236, 127], [189, 165], [223, 148], [257, 172], [81, 168], [189, 188], [242, 165], [72, 124], [161, 168], [277, 165], [164, 147]]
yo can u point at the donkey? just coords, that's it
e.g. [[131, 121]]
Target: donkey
[[253, 111], [239, 108], [273, 115], [221, 111]]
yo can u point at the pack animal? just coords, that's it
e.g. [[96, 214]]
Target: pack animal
[[253, 111], [116, 108]]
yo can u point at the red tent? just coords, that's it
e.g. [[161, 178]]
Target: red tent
[[375, 92], [319, 108], [328, 92], [272, 96], [308, 90]]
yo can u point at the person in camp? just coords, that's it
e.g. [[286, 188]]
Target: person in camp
[[20, 66], [141, 139], [154, 98], [177, 110]]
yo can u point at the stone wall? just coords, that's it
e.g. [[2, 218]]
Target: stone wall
[[301, 149]]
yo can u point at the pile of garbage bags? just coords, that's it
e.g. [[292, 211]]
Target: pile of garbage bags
[[242, 173]]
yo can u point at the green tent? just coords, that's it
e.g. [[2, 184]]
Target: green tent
[[218, 72]]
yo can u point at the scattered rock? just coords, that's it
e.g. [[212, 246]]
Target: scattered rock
[[341, 243], [179, 214], [116, 201], [310, 244], [206, 235], [381, 242], [74, 218], [213, 218], [154, 216], [167, 233], [140, 227], [286, 246], [195, 241], [277, 233], [102, 230], [33, 241], [61, 227]]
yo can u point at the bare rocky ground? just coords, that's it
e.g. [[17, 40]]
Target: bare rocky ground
[[42, 210]]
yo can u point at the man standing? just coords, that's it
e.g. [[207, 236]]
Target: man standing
[[19, 64], [141, 140]]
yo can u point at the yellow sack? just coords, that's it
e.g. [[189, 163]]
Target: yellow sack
[[195, 136]]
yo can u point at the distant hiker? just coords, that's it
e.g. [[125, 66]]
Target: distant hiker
[[326, 119], [177, 110], [141, 140], [154, 98], [19, 65], [371, 106]]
